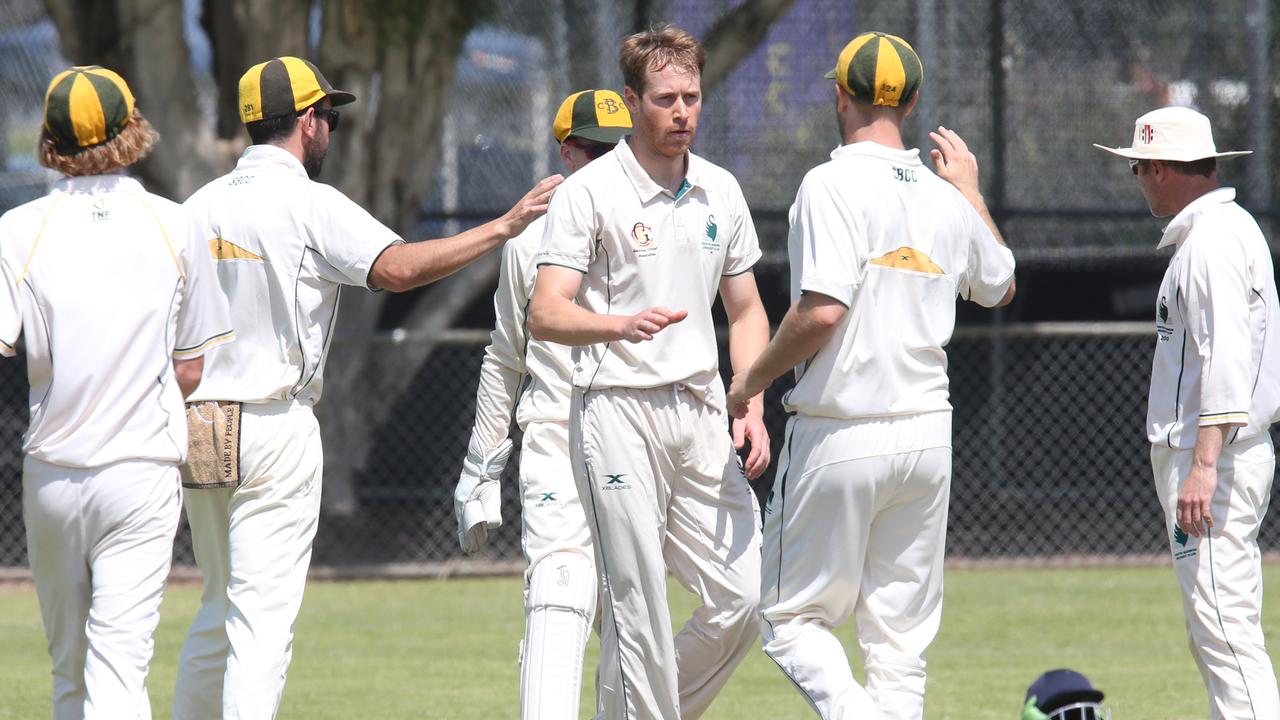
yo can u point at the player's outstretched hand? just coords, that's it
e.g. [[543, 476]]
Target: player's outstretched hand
[[954, 162], [477, 502], [738, 400], [1195, 500], [644, 325], [750, 430], [532, 205]]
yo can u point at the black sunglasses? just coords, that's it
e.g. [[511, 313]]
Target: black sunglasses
[[1133, 165], [330, 115]]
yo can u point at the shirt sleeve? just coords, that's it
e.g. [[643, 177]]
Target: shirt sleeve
[[1216, 306], [744, 245], [991, 265], [347, 236], [502, 370], [570, 235], [10, 312], [204, 320], [826, 243]]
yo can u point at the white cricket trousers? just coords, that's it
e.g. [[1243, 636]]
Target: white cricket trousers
[[662, 490], [253, 546], [100, 542], [856, 527], [1220, 576], [557, 547]]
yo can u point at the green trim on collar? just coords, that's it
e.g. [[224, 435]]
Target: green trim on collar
[[684, 188]]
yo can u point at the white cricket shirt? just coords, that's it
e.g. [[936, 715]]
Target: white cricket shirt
[[641, 246], [876, 230], [283, 245], [1217, 357], [512, 353], [105, 286]]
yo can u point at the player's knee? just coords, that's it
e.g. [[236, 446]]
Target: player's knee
[[563, 581]]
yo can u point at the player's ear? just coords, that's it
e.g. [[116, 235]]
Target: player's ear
[[632, 99], [910, 106]]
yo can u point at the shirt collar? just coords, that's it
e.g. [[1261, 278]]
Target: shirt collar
[[646, 189], [98, 183], [867, 148], [270, 156], [1178, 229]]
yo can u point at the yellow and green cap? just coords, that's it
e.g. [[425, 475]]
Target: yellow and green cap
[[879, 68], [597, 115], [284, 86], [86, 105]]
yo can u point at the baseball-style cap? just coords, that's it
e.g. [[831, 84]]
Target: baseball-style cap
[[598, 115], [284, 86], [1178, 134], [879, 68], [86, 105], [1058, 689]]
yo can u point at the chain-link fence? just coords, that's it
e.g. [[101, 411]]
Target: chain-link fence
[[1050, 455]]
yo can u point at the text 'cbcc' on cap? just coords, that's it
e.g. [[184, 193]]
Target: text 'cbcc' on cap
[[86, 106], [597, 115], [878, 68], [284, 86]]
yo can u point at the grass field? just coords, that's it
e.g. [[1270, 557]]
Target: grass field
[[447, 649]]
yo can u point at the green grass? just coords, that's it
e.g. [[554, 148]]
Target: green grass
[[447, 649]]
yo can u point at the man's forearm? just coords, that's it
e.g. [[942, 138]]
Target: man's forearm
[[748, 338], [557, 320], [800, 336], [1209, 442], [496, 398], [411, 265]]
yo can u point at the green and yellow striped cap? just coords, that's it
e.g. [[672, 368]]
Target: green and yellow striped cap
[[86, 105], [284, 86], [597, 115], [879, 68]]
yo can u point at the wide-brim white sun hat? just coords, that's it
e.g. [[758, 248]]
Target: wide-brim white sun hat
[[1178, 134]]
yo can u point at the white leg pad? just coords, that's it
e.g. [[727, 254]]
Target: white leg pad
[[559, 608]]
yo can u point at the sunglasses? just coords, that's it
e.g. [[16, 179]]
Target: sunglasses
[[1133, 165], [330, 115]]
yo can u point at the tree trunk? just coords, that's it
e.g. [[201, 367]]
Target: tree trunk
[[736, 35]]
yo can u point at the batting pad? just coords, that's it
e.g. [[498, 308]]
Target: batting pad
[[558, 611]]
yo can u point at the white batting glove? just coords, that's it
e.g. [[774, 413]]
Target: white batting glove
[[477, 499]]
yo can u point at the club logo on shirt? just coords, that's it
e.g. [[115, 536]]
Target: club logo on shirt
[[1163, 329], [709, 242], [1181, 537], [99, 211], [615, 482], [545, 499], [642, 235]]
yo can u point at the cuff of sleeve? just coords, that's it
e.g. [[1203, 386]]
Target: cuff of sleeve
[[842, 292], [743, 264], [1235, 417], [991, 295], [572, 262], [196, 351], [368, 281]]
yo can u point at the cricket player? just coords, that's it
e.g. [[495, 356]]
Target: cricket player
[[1215, 392], [283, 245], [880, 247], [114, 305], [560, 576], [642, 239]]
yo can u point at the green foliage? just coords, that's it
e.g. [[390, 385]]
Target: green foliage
[[448, 649]]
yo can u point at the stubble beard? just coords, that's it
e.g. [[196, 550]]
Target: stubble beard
[[313, 157]]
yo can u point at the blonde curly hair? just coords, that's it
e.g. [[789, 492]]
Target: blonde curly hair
[[132, 144]]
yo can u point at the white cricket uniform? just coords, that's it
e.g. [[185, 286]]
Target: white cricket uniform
[[661, 485], [105, 289], [283, 247], [552, 521], [866, 464], [1217, 361]]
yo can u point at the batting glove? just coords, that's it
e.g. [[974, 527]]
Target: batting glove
[[477, 499]]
